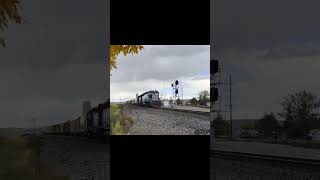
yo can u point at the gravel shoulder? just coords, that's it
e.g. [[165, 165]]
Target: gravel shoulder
[[226, 169], [77, 157], [154, 121], [267, 149]]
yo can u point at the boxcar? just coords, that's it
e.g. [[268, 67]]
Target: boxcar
[[66, 127], [75, 126]]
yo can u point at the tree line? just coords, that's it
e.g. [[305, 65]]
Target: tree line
[[299, 113], [202, 99]]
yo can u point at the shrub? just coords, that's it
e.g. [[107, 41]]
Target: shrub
[[120, 121]]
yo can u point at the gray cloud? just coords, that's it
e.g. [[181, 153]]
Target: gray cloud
[[271, 48], [288, 51], [251, 25], [162, 62], [53, 61], [158, 66]]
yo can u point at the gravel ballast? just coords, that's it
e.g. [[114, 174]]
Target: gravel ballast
[[155, 121]]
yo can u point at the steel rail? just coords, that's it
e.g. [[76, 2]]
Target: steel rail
[[315, 163]]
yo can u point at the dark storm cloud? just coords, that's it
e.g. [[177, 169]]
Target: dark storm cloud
[[53, 61], [251, 24], [291, 51], [57, 32], [270, 48]]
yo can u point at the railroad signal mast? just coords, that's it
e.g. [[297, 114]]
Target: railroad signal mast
[[216, 92], [175, 89], [215, 102], [215, 82], [175, 92]]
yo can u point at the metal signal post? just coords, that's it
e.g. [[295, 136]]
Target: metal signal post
[[175, 93], [230, 109]]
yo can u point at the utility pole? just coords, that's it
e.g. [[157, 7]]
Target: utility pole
[[35, 129], [34, 121], [230, 108], [34, 125], [164, 91], [181, 93]]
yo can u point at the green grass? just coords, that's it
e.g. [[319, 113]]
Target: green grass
[[120, 121], [19, 160]]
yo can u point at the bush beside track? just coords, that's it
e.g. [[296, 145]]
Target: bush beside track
[[19, 159], [120, 122]]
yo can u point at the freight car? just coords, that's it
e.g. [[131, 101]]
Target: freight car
[[66, 127], [75, 127], [96, 123], [54, 129]]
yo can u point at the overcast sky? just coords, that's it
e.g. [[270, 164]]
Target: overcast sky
[[53, 61], [156, 67], [270, 47]]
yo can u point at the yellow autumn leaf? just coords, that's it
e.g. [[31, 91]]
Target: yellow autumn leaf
[[8, 12], [116, 50]]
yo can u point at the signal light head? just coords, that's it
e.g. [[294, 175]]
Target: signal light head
[[214, 94], [214, 66]]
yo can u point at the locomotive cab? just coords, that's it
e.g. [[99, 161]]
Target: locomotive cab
[[149, 98], [97, 123]]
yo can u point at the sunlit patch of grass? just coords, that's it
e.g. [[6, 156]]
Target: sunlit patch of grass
[[120, 122], [19, 160]]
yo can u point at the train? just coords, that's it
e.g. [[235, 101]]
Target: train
[[149, 98], [97, 120], [96, 123]]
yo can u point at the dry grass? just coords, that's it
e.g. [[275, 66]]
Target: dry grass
[[120, 122], [19, 159]]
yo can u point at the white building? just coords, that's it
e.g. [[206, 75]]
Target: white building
[[165, 103]]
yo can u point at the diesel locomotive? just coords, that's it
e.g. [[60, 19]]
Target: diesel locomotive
[[149, 98]]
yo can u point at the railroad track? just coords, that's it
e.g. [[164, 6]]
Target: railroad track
[[177, 110], [240, 156], [187, 111]]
